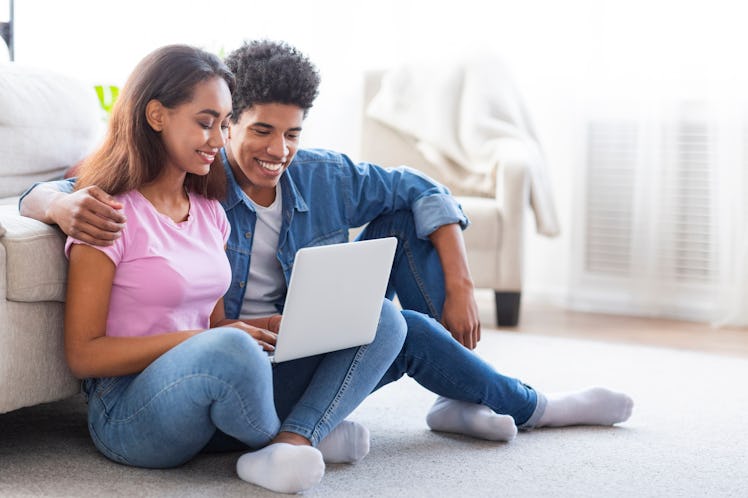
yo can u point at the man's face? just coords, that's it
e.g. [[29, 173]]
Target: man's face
[[263, 142]]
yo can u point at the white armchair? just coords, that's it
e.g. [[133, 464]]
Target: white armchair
[[399, 128]]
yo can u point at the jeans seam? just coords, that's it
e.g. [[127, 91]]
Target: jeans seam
[[402, 234], [102, 392], [408, 252], [327, 413], [99, 443], [341, 392]]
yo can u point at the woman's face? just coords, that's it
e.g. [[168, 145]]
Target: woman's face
[[193, 132]]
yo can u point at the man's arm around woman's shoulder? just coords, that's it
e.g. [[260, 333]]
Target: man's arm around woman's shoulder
[[89, 214]]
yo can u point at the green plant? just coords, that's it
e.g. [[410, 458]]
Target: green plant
[[107, 96]]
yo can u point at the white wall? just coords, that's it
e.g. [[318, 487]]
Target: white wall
[[560, 52]]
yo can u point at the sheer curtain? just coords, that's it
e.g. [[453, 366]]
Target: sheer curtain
[[735, 286], [662, 213]]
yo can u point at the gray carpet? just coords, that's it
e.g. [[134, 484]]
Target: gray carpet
[[687, 437]]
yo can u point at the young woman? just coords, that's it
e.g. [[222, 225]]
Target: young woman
[[142, 315]]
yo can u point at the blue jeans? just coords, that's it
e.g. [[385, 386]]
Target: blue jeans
[[313, 395], [430, 355], [417, 277], [215, 392], [166, 414], [434, 359]]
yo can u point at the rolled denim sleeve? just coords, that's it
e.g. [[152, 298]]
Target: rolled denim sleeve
[[65, 186], [374, 190], [437, 210]]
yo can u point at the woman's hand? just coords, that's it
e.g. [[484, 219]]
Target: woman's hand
[[264, 338], [274, 322], [263, 330]]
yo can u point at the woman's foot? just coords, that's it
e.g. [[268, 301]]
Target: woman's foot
[[282, 467]]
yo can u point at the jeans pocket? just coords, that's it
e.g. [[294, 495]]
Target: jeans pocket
[[87, 387], [108, 389]]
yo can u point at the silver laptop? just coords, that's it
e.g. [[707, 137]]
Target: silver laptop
[[334, 297]]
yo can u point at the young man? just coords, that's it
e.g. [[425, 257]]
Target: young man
[[282, 198]]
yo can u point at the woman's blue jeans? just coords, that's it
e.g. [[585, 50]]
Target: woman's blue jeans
[[218, 391], [430, 355]]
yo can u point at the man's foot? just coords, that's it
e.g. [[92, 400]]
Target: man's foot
[[347, 443], [470, 419], [594, 406]]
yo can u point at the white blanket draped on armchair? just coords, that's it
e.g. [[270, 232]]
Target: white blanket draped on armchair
[[463, 116]]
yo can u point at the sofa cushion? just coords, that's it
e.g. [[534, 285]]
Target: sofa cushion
[[48, 122], [36, 268]]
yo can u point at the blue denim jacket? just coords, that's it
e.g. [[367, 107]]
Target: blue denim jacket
[[324, 195]]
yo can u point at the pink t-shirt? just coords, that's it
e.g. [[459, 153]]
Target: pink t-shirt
[[169, 275]]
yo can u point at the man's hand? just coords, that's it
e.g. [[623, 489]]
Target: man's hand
[[89, 214], [460, 312], [264, 338], [460, 317]]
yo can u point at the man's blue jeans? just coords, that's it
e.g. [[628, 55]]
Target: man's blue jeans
[[430, 355], [217, 389]]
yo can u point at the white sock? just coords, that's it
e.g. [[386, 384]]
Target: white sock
[[593, 406], [282, 467], [347, 443], [470, 419]]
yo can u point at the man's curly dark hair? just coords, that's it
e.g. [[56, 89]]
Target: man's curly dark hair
[[269, 72]]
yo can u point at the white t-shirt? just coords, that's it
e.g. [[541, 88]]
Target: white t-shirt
[[266, 283]]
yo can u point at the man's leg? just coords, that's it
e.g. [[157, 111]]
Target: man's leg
[[443, 366], [434, 359], [417, 277], [314, 395], [418, 280]]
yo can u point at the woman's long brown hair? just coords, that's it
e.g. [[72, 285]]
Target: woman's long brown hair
[[132, 153]]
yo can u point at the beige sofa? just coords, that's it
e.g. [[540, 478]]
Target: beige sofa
[[495, 241], [48, 122]]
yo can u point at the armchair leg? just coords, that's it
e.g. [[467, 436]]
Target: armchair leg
[[507, 308]]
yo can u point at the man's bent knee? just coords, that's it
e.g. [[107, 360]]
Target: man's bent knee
[[391, 323]]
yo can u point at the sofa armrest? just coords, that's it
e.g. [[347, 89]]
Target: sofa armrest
[[35, 265], [32, 279]]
